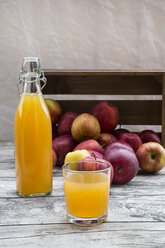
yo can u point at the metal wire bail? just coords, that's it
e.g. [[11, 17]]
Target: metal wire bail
[[42, 78], [20, 79]]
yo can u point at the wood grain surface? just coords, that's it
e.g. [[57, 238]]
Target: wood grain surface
[[136, 214], [103, 85], [105, 72]]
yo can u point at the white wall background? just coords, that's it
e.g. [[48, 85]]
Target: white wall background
[[92, 34]]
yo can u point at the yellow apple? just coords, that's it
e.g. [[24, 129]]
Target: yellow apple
[[76, 156]]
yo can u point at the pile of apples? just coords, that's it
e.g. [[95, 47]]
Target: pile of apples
[[93, 136]]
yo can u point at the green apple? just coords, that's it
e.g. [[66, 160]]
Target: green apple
[[75, 156]]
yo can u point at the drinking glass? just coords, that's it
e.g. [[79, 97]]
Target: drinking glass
[[86, 191]]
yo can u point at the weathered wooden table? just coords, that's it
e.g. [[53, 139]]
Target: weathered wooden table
[[136, 214]]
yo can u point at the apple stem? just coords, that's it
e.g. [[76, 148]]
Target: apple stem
[[94, 155]]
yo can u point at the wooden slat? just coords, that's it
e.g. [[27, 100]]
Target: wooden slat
[[9, 183], [7, 170], [103, 72], [126, 208], [71, 97], [6, 152], [142, 181], [131, 112], [106, 85], [114, 235]]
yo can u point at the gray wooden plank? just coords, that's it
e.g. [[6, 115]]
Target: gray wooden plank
[[9, 184], [8, 145], [6, 152], [114, 235], [126, 208], [144, 184], [7, 169]]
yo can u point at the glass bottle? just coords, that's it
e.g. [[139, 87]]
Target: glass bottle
[[33, 134]]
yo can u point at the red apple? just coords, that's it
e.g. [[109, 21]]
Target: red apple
[[54, 158], [64, 126], [149, 136], [132, 139], [125, 164], [106, 138], [98, 164], [87, 165], [62, 145], [54, 110], [96, 154], [84, 127], [116, 145], [90, 145], [107, 116], [119, 131], [151, 156], [112, 170]]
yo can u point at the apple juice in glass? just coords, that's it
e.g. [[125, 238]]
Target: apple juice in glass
[[33, 135], [86, 192]]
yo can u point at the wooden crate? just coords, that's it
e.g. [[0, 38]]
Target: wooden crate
[[139, 95]]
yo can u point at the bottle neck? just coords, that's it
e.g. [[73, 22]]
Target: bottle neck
[[32, 87], [30, 76]]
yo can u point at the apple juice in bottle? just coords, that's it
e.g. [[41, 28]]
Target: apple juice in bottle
[[33, 134]]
